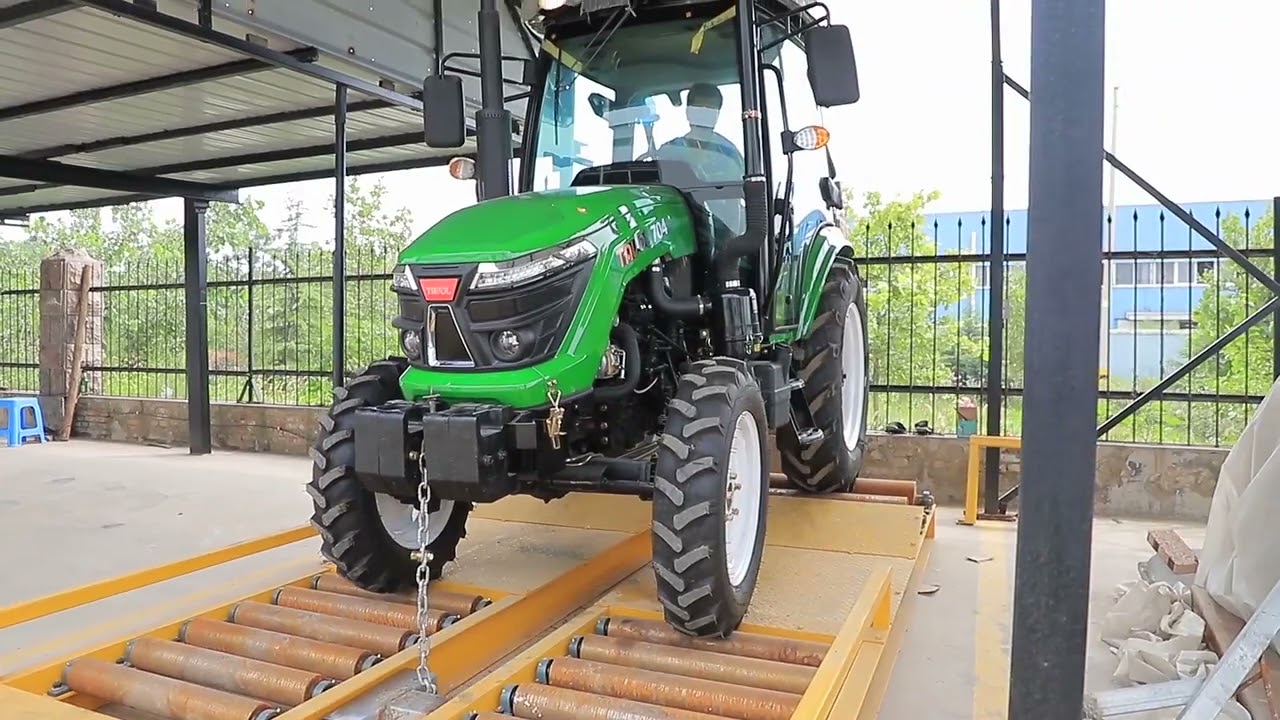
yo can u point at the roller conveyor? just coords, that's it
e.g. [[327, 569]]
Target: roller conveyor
[[262, 657], [566, 629]]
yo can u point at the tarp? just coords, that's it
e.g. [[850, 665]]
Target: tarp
[[1240, 561]]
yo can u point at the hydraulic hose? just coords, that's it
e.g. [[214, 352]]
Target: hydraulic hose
[[626, 336], [685, 308], [756, 192]]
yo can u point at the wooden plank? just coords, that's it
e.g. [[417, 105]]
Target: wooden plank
[[1221, 629], [1173, 550]]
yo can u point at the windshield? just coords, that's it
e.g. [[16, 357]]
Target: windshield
[[665, 91]]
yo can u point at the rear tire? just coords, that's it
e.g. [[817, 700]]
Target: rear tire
[[710, 497], [364, 533], [833, 361]]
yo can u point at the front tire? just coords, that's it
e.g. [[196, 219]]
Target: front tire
[[709, 503], [369, 536], [833, 361]]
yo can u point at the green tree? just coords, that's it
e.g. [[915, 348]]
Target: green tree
[[913, 308]]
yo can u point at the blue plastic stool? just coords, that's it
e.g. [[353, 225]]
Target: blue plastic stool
[[16, 433]]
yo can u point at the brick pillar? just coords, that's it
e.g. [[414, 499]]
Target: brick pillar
[[59, 299]]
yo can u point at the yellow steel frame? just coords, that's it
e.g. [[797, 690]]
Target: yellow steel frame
[[837, 691], [847, 685], [459, 652], [971, 481], [75, 597]]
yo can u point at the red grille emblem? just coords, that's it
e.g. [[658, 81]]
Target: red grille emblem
[[438, 289]]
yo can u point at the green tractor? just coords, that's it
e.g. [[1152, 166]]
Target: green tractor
[[672, 284]]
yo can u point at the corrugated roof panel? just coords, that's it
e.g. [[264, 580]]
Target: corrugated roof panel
[[85, 49], [258, 93]]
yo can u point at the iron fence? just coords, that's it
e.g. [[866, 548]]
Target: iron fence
[[1169, 296], [270, 325], [19, 329]]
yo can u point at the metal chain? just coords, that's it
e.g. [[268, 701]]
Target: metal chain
[[426, 678]]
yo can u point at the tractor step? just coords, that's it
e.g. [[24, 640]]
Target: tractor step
[[812, 436]]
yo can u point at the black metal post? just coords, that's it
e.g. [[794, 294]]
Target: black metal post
[[197, 289], [339, 235], [1059, 442], [1275, 272], [204, 14], [247, 393], [493, 120], [995, 272]]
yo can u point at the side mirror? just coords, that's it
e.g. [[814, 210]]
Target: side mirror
[[832, 193], [443, 119], [833, 74]]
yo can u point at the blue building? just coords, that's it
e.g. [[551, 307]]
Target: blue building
[[1151, 300]]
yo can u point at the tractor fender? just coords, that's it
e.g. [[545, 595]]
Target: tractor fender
[[821, 251]]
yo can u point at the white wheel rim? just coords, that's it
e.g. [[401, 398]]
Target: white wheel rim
[[853, 354], [400, 520], [742, 498]]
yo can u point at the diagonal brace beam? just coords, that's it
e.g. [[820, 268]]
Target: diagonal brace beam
[[63, 174], [1128, 410], [1256, 272]]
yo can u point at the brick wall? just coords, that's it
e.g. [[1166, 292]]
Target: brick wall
[[1163, 481]]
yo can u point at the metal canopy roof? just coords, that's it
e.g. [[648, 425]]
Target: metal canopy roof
[[196, 98]]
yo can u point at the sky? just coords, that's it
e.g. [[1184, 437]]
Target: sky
[[1196, 116]]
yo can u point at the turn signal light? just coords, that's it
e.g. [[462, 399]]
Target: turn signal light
[[814, 137], [462, 168]]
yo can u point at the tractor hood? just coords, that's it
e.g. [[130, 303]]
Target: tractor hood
[[510, 227]]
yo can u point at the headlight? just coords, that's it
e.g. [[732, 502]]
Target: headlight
[[532, 266], [402, 279]]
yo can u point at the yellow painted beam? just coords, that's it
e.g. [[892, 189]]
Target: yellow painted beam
[[19, 705], [971, 482], [75, 597], [871, 609], [39, 680], [462, 651]]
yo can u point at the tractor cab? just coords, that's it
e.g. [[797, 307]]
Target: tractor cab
[[658, 102]]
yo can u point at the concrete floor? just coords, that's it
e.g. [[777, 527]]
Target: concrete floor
[[77, 512]]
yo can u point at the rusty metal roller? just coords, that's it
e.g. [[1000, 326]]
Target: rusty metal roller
[[753, 672], [743, 644], [159, 695], [384, 640], [646, 686], [356, 608], [543, 702], [240, 675], [328, 659], [450, 601]]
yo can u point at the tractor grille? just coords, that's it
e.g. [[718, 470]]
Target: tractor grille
[[459, 334]]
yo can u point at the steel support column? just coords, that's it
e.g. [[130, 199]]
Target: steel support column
[[1275, 272], [493, 120], [1059, 441], [339, 234], [197, 291], [995, 273]]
